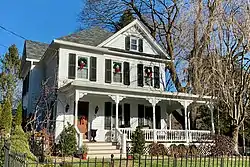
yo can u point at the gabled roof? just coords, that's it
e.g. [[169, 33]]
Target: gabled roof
[[93, 36], [143, 29], [35, 50]]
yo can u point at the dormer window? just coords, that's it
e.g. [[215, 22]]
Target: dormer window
[[134, 44]]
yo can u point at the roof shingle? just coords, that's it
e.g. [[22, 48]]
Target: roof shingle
[[35, 50], [93, 36]]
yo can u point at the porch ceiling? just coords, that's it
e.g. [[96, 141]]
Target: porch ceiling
[[101, 89]]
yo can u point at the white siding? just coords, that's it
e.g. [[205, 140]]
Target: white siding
[[36, 77], [63, 67], [119, 41]]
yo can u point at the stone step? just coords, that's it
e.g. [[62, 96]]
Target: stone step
[[107, 155], [102, 148], [104, 151], [90, 144]]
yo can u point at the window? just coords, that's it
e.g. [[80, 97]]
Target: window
[[82, 68], [127, 115], [148, 76], [117, 72], [107, 113], [134, 43]]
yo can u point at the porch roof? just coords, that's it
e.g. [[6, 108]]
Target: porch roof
[[123, 90]]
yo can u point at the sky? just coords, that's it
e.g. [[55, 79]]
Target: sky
[[38, 20]]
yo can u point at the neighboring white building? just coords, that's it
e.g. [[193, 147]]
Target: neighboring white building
[[115, 80]]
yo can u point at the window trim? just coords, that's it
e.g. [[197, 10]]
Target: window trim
[[112, 73], [137, 43], [88, 60]]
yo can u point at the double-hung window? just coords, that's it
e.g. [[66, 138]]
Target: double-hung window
[[117, 72], [134, 43], [82, 67]]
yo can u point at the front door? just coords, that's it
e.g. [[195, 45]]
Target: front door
[[83, 113]]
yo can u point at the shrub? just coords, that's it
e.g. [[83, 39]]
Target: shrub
[[66, 164], [6, 118], [138, 142], [19, 142], [157, 149], [67, 140], [182, 150], [193, 150], [222, 145], [172, 150], [18, 117]]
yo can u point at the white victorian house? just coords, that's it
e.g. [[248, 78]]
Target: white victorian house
[[108, 82]]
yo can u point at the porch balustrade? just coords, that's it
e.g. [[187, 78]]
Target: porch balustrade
[[170, 135]]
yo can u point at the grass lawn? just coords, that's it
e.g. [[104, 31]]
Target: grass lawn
[[166, 162]]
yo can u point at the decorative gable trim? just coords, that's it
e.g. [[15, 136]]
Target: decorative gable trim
[[144, 30]]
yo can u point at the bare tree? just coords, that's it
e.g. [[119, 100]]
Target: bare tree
[[223, 70]]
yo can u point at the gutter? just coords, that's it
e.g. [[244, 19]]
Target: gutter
[[105, 50]]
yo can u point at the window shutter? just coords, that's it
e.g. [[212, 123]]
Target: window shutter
[[92, 69], [108, 71], [127, 115], [156, 77], [140, 45], [140, 115], [72, 66], [126, 71], [107, 115], [158, 117], [140, 75], [127, 43]]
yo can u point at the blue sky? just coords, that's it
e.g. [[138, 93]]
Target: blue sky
[[39, 20]]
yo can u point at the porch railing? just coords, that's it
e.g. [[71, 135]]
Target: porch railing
[[170, 135]]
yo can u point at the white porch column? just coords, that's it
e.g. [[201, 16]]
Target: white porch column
[[154, 101], [185, 105], [154, 123], [78, 95], [76, 107], [211, 108], [117, 99], [170, 121], [186, 120]]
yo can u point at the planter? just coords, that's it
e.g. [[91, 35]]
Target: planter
[[130, 157], [84, 156], [93, 134]]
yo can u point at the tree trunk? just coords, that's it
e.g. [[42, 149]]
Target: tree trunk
[[235, 136]]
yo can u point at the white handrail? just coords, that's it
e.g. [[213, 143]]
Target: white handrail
[[121, 140], [169, 135]]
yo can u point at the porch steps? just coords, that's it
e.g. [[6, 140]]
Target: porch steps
[[102, 149]]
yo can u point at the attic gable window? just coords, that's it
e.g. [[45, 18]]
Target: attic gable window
[[133, 43]]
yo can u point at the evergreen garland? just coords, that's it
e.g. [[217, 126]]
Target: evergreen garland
[[117, 67], [82, 62]]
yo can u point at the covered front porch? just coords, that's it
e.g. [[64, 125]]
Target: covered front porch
[[116, 115]]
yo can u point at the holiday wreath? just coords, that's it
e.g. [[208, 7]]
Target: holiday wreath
[[117, 67], [82, 62], [148, 72]]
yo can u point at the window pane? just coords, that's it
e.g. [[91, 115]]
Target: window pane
[[83, 73], [117, 77], [134, 47], [133, 41]]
